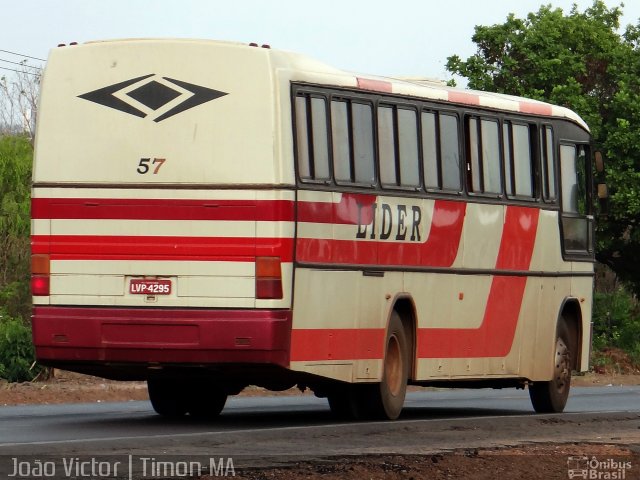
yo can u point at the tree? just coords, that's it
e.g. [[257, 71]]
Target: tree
[[579, 61], [19, 95], [15, 180]]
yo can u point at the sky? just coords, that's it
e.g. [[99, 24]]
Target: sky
[[391, 38]]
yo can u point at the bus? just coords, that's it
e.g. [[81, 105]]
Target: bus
[[210, 215]]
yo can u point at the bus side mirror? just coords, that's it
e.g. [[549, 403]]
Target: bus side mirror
[[599, 160], [602, 190]]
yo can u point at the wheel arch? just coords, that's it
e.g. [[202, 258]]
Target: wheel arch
[[404, 305], [571, 314]]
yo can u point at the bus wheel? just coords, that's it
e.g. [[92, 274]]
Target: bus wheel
[[551, 397], [207, 402], [343, 403], [167, 397], [388, 398]]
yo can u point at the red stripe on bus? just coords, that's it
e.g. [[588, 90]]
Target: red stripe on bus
[[466, 98], [535, 108], [337, 344], [94, 247], [162, 209], [375, 85], [440, 248], [494, 337]]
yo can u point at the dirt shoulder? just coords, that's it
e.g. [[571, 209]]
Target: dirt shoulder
[[531, 462]]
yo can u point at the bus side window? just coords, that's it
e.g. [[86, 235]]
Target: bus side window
[[312, 138], [363, 148], [490, 156], [575, 199], [449, 152], [432, 177], [302, 138], [573, 180], [320, 139], [398, 146], [440, 151], [353, 147], [548, 164], [518, 160], [386, 145], [341, 141], [483, 145], [408, 147]]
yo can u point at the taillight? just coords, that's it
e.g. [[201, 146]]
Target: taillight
[[40, 270], [268, 278]]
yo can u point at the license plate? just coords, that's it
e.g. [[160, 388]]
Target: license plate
[[139, 286]]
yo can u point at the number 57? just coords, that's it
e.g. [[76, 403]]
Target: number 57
[[144, 165]]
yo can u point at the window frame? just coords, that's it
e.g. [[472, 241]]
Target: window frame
[[395, 108], [438, 113], [469, 168], [572, 254], [311, 153], [545, 162], [532, 129]]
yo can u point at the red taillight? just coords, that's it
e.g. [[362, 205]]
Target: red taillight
[[40, 285], [40, 269], [268, 278]]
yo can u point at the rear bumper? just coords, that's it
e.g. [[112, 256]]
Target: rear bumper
[[64, 335]]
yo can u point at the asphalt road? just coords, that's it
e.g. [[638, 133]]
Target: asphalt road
[[260, 431]]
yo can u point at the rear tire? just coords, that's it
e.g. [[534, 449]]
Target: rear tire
[[206, 402], [551, 396], [385, 400], [382, 400], [343, 403], [167, 397], [175, 398]]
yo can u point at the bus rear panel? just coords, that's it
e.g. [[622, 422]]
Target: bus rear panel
[[162, 225]]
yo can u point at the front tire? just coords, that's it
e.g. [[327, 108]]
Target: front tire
[[551, 396]]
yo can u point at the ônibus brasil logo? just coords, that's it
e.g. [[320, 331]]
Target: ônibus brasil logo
[[163, 97]]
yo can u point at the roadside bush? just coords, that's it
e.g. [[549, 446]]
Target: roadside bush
[[16, 349], [616, 322], [17, 356]]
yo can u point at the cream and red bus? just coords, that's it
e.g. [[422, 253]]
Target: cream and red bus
[[212, 215]]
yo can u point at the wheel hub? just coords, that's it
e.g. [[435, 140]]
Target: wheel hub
[[562, 369], [393, 366]]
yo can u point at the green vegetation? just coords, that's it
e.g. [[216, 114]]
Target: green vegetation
[[581, 61], [616, 323], [17, 356], [16, 349]]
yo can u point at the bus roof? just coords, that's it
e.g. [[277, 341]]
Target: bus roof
[[429, 89]]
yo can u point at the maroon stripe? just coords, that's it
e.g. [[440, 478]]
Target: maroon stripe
[[162, 209], [94, 247]]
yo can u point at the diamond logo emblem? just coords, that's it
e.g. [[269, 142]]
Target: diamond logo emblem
[[161, 96], [153, 95]]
